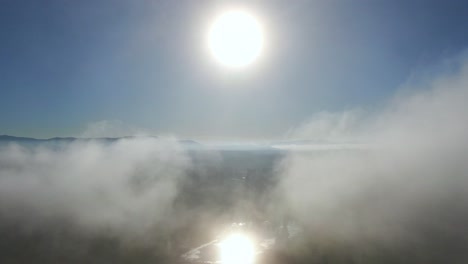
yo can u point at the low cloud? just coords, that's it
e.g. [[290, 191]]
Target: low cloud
[[408, 189], [112, 128], [126, 187]]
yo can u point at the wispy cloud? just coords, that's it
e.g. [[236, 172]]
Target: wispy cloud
[[126, 187], [409, 186], [112, 128]]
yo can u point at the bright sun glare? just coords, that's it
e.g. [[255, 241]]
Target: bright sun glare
[[237, 249], [236, 38]]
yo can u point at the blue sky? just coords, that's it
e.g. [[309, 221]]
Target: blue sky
[[66, 64]]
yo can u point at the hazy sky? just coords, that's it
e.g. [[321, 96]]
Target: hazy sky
[[65, 64]]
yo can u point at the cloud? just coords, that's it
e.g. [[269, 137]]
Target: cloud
[[112, 128], [126, 187], [333, 127], [408, 188]]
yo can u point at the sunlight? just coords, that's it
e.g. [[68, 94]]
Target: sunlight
[[237, 249]]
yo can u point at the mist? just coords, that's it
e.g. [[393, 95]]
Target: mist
[[374, 186], [122, 200], [124, 189], [400, 199]]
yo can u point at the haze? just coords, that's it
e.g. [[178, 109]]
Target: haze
[[298, 132]]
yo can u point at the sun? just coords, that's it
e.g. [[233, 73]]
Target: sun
[[235, 38]]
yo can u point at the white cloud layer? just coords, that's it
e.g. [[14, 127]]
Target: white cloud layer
[[127, 187], [413, 176]]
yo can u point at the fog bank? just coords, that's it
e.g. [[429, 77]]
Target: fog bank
[[408, 190], [126, 187]]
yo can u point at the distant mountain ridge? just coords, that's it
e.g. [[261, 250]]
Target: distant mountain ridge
[[273, 145], [15, 138]]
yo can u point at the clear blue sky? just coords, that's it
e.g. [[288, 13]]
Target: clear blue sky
[[67, 63]]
